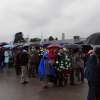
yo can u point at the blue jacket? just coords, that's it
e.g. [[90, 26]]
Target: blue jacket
[[42, 68]]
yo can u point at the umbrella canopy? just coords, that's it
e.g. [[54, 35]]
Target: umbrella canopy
[[72, 46], [45, 45], [54, 46], [94, 39], [36, 45], [16, 46], [3, 43], [8, 46]]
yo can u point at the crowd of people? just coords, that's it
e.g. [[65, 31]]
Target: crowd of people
[[54, 66]]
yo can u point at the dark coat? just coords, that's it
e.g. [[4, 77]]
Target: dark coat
[[18, 60], [1, 56], [24, 59], [97, 71], [92, 71]]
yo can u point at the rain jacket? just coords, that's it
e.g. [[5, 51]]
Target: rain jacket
[[45, 68]]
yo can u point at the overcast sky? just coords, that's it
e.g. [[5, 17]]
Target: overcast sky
[[50, 17]]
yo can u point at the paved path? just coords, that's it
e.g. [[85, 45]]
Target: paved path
[[11, 89]]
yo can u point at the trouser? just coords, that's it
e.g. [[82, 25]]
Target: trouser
[[32, 70], [18, 70], [1, 66], [80, 74], [97, 90], [24, 75], [72, 77], [37, 64], [94, 90], [60, 81], [7, 67], [91, 92]]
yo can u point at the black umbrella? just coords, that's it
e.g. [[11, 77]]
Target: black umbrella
[[72, 46], [3, 43], [94, 39]]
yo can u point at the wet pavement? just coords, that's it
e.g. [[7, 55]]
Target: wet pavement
[[11, 89]]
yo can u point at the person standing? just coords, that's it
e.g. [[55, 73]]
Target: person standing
[[6, 59], [92, 73], [79, 67], [24, 58], [17, 62], [60, 66], [45, 70], [72, 69], [34, 63], [1, 59]]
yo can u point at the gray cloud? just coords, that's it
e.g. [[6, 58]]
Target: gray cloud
[[74, 17]]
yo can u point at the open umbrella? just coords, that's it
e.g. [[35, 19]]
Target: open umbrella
[[3, 43], [54, 46], [72, 46], [94, 39], [45, 45], [8, 46]]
